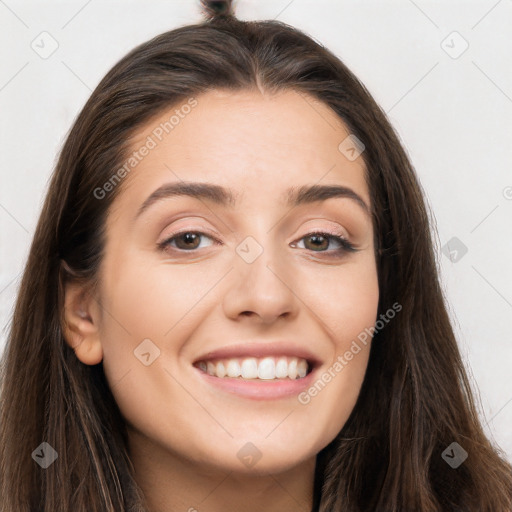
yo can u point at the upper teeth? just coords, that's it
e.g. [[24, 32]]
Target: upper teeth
[[257, 368]]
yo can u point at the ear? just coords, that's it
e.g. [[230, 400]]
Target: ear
[[80, 323]]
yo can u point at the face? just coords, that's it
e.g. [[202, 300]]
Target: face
[[191, 286]]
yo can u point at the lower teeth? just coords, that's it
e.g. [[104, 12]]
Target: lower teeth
[[255, 378]]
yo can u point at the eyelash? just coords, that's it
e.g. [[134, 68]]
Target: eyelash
[[345, 245]]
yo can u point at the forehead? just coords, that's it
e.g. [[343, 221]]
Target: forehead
[[255, 143]]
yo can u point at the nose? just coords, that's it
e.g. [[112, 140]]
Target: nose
[[263, 289]]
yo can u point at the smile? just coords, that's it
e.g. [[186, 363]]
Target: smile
[[263, 368]]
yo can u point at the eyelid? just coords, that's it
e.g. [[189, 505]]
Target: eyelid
[[166, 242], [346, 244], [332, 229], [326, 231], [189, 229]]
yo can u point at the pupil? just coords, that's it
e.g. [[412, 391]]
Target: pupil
[[189, 238], [317, 240]]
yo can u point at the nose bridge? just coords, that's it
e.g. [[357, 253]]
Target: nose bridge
[[256, 255], [261, 279], [259, 243]]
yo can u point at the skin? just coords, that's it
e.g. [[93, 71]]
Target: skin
[[185, 435]]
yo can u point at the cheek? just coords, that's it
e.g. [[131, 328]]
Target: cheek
[[345, 303], [160, 303], [344, 299], [149, 301]]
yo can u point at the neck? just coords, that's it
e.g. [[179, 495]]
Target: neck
[[171, 483]]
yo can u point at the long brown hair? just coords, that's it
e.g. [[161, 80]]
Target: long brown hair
[[415, 400]]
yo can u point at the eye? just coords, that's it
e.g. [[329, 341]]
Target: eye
[[189, 241], [185, 241], [320, 241]]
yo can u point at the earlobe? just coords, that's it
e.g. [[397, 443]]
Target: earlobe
[[80, 323]]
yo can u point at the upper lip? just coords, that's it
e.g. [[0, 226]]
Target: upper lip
[[261, 349]]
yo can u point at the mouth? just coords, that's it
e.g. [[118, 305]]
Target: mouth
[[258, 371], [268, 368]]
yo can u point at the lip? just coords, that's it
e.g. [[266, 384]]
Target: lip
[[262, 349], [256, 389]]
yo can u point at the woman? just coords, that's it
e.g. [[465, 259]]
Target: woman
[[302, 359]]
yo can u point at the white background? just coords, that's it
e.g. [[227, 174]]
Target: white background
[[453, 115]]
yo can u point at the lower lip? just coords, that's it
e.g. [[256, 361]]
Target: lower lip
[[257, 389]]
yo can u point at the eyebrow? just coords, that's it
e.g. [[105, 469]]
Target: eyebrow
[[293, 196]]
